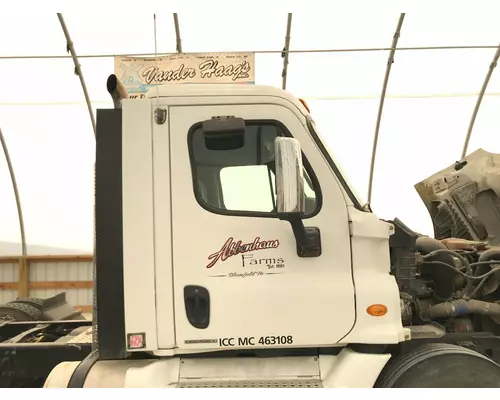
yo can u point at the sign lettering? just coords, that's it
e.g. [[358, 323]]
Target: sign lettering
[[139, 74], [232, 248]]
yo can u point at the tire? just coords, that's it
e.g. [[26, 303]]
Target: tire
[[440, 365], [20, 312], [32, 301]]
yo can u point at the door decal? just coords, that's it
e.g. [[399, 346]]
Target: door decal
[[232, 248], [266, 264]]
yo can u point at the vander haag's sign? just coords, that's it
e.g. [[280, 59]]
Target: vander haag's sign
[[139, 74]]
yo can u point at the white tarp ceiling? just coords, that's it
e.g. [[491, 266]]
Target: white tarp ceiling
[[430, 99]]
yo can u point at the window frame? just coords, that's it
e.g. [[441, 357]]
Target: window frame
[[251, 122]]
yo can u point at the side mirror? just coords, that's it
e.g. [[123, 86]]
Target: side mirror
[[290, 196]]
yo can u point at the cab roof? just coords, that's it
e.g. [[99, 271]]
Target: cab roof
[[226, 89]]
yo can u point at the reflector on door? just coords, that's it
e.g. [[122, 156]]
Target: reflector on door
[[136, 341]]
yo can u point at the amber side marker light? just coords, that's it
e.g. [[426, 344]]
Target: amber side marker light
[[305, 105], [377, 310]]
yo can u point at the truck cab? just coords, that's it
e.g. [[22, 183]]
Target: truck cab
[[230, 251], [209, 262]]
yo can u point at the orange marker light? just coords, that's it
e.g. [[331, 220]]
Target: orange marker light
[[377, 310], [305, 105]]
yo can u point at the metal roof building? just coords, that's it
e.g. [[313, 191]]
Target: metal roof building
[[419, 83]]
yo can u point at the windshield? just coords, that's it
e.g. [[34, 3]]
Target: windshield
[[356, 199]]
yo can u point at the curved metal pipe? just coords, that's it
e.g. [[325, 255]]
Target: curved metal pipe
[[390, 61], [16, 194], [286, 50], [479, 99], [71, 48], [117, 90], [337, 50], [177, 34]]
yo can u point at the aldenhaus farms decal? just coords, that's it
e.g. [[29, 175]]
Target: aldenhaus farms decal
[[232, 248], [254, 261], [139, 74]]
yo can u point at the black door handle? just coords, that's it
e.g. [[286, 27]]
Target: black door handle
[[197, 303]]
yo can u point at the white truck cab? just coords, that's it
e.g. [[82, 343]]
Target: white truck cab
[[218, 267], [224, 228]]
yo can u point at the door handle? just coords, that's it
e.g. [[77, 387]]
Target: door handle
[[197, 303]]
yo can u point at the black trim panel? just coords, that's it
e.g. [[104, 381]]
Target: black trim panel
[[109, 232], [214, 210]]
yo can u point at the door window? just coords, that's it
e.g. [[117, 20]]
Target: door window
[[242, 181]]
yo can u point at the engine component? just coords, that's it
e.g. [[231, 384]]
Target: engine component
[[427, 331], [443, 278], [490, 284], [462, 244], [492, 254], [461, 325], [460, 307], [403, 261], [402, 251], [406, 312]]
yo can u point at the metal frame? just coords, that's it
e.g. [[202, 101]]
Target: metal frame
[[178, 42], [285, 55], [331, 50], [286, 51], [31, 362], [28, 364], [390, 61], [78, 68], [16, 194], [479, 100]]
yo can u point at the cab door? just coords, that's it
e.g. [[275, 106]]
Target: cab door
[[238, 280]]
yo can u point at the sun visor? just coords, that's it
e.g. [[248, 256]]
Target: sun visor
[[258, 148]]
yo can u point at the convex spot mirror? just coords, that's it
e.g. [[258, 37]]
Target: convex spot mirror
[[224, 133], [290, 195]]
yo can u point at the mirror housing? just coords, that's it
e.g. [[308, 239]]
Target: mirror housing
[[290, 195], [224, 133]]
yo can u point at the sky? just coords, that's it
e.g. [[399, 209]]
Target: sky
[[430, 99]]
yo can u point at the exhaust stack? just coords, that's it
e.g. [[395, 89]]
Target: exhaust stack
[[117, 90]]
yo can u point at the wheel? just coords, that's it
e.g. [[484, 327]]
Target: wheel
[[20, 312], [32, 301], [440, 365]]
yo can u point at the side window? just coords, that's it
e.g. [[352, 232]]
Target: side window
[[253, 193], [243, 179]]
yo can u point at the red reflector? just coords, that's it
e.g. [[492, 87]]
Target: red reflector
[[136, 340]]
